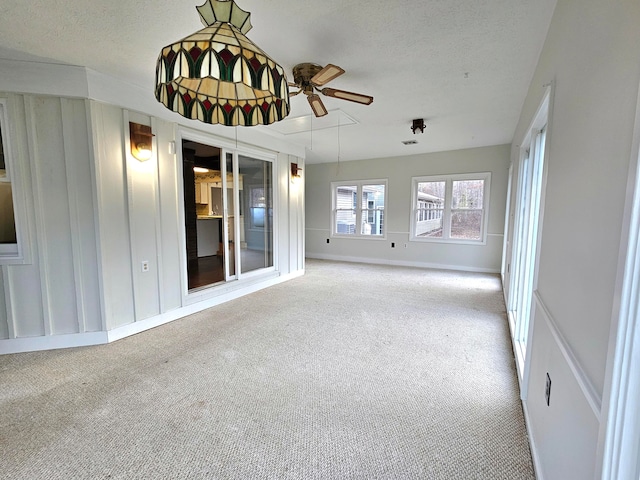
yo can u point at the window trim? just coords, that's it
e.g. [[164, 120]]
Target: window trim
[[358, 184], [446, 215], [13, 253]]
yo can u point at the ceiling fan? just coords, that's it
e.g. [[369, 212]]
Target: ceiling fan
[[309, 77]]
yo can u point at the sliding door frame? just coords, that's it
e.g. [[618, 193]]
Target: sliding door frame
[[225, 146], [525, 238]]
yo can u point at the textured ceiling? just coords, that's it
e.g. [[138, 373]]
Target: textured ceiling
[[464, 66]]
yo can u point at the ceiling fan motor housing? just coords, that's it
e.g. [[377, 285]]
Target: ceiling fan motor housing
[[303, 73]]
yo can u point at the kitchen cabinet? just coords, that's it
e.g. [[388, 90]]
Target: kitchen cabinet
[[202, 193]]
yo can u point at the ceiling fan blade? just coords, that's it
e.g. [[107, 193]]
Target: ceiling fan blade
[[344, 95], [327, 74], [317, 106]]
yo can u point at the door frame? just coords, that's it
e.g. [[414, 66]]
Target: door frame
[[541, 120], [225, 145], [619, 439]]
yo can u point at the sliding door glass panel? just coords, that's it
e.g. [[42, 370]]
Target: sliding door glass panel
[[229, 217], [525, 241], [203, 207], [256, 177], [200, 171]]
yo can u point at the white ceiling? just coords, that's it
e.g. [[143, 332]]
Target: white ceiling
[[464, 66]]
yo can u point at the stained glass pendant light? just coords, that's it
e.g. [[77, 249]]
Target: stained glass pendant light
[[217, 75]]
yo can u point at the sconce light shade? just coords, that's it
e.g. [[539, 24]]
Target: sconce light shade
[[295, 173], [140, 137], [217, 75]]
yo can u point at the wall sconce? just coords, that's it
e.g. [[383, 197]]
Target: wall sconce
[[141, 143], [295, 173]]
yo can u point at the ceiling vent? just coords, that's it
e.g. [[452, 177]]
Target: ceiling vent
[[410, 142]]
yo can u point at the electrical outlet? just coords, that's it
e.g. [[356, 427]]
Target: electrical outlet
[[547, 390], [393, 245], [145, 266], [327, 240], [405, 245]]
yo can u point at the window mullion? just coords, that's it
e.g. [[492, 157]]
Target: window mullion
[[359, 198], [448, 199]]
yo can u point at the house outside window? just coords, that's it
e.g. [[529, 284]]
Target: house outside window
[[359, 208], [450, 208]]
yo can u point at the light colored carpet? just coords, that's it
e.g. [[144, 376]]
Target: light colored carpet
[[350, 372]]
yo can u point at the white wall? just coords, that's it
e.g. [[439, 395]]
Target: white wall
[[57, 291], [398, 171], [591, 58], [94, 214]]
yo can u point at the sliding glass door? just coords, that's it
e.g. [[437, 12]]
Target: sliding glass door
[[257, 251], [525, 239], [228, 206]]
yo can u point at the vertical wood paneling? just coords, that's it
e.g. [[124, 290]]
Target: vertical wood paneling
[[114, 238], [36, 188], [4, 310], [289, 207], [70, 135], [170, 274], [23, 295], [95, 213], [54, 226], [295, 207], [300, 238], [142, 202], [80, 201]]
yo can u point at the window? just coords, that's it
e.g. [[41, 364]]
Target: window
[[8, 232], [358, 208], [450, 208]]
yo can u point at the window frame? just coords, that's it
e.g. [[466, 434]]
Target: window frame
[[447, 207], [358, 208], [13, 253]]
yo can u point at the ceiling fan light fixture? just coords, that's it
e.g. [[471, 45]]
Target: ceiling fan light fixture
[[218, 76], [309, 77]]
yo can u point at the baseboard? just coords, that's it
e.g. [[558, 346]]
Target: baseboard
[[400, 263], [158, 320], [53, 342], [537, 464]]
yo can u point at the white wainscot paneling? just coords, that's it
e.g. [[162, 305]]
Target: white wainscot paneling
[[564, 434]]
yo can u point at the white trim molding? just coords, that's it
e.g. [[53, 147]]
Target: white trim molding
[[588, 390], [619, 449], [400, 263], [50, 342]]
